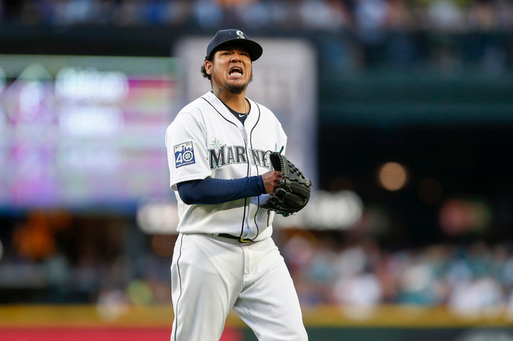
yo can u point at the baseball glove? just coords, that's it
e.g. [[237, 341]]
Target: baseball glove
[[294, 191]]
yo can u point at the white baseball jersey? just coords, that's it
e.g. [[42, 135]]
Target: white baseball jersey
[[206, 139]]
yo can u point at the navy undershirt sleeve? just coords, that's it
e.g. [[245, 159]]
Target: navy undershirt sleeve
[[216, 191]]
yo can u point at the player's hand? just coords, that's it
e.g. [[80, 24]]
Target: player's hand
[[271, 181]]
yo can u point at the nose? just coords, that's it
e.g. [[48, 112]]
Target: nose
[[236, 57]]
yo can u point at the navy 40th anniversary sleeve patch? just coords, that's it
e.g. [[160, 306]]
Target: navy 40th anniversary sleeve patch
[[184, 154]]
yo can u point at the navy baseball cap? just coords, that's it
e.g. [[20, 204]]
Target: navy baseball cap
[[237, 37]]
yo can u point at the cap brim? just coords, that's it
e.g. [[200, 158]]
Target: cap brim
[[254, 49]]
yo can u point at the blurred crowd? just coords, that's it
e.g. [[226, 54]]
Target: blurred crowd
[[474, 279], [349, 34], [109, 261], [57, 257], [365, 16]]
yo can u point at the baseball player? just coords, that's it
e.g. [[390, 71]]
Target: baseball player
[[218, 152]]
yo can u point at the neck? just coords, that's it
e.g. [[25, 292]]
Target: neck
[[237, 102]]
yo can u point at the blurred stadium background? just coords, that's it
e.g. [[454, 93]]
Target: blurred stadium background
[[407, 133]]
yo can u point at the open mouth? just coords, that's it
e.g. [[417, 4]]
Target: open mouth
[[235, 71]]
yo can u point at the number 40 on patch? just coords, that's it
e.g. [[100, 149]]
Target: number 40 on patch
[[184, 154]]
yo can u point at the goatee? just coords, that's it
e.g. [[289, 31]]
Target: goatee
[[236, 90]]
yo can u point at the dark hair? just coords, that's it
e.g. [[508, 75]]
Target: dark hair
[[203, 71]]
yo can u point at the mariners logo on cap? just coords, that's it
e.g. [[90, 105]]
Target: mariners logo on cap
[[241, 34]]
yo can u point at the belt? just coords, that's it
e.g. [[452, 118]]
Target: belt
[[233, 237]]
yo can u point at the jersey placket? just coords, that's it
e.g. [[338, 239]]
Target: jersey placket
[[246, 233]]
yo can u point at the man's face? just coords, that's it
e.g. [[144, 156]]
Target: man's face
[[231, 69]]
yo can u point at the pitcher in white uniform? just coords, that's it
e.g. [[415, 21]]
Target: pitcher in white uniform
[[218, 152]]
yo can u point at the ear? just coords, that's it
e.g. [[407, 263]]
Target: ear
[[208, 67]]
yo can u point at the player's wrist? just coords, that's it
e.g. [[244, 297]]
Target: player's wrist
[[259, 180]]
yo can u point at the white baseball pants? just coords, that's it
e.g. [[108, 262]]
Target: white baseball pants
[[211, 275]]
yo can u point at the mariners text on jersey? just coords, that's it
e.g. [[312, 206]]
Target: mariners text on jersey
[[227, 155]]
